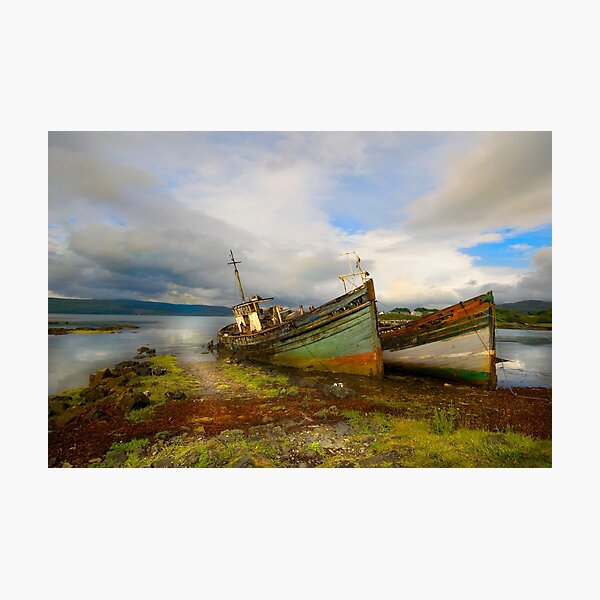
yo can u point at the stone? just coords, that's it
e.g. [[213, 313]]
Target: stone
[[338, 391], [98, 377], [230, 435], [244, 462], [175, 395], [163, 463], [157, 371], [341, 428], [116, 458], [133, 400], [93, 394], [143, 368]]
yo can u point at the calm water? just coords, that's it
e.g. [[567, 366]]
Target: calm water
[[71, 358], [529, 355]]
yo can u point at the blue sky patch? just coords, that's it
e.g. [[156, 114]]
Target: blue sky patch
[[515, 250]]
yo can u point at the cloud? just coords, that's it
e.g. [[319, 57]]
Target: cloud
[[504, 182], [153, 215]]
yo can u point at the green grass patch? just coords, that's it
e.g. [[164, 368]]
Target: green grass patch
[[266, 385], [174, 379], [130, 445], [414, 444], [444, 420]]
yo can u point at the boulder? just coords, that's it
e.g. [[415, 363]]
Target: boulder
[[93, 394], [132, 400], [143, 369], [157, 371], [98, 377]]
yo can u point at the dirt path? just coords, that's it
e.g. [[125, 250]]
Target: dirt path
[[214, 383]]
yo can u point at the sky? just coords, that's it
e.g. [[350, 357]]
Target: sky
[[436, 217]]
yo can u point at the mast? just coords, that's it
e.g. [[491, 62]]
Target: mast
[[237, 274], [364, 275]]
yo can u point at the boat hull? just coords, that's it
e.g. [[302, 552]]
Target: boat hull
[[456, 343], [339, 337]]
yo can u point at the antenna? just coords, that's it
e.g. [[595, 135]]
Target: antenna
[[237, 274]]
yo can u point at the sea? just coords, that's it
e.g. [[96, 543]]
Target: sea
[[527, 355]]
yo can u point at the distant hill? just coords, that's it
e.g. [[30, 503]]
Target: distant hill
[[133, 307], [525, 306]]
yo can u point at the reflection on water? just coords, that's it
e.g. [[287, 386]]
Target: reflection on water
[[71, 358], [527, 358]]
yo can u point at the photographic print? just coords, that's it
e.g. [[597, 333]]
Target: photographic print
[[298, 299]]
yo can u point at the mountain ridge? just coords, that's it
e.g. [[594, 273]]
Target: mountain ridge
[[126, 306], [526, 306]]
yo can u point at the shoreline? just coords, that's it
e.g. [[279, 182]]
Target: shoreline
[[83, 330], [156, 412]]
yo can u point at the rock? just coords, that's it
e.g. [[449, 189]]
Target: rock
[[114, 382], [115, 458], [93, 461], [93, 394], [157, 371], [345, 464], [191, 458], [331, 444], [175, 395], [124, 366], [144, 351], [341, 428], [52, 461], [132, 400], [98, 378], [244, 462], [304, 382], [163, 463], [143, 368], [231, 435], [338, 391]]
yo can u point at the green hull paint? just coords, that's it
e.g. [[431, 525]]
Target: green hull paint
[[340, 336]]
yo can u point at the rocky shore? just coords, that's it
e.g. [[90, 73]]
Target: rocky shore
[[108, 329], [153, 412]]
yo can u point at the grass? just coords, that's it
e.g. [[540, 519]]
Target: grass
[[419, 447], [174, 379], [255, 379], [129, 446], [374, 440], [444, 420]]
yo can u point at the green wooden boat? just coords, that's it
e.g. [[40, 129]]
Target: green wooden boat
[[456, 343], [340, 336]]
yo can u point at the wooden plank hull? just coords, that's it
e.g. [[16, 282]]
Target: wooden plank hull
[[457, 343], [340, 337]]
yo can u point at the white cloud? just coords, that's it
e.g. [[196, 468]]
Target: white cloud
[[154, 215]]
